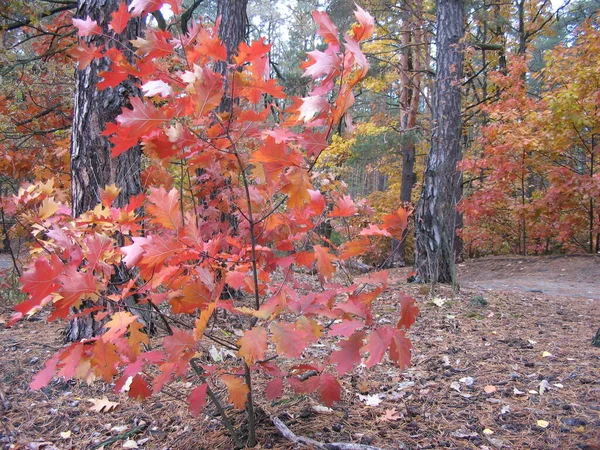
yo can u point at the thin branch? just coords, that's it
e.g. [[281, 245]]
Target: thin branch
[[308, 442]]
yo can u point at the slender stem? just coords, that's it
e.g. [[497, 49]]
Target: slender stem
[[251, 442], [234, 435]]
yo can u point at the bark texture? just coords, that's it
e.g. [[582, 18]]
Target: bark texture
[[92, 167], [436, 216]]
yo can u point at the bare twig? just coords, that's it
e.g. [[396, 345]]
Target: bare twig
[[288, 434]]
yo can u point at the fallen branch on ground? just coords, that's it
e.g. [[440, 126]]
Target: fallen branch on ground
[[288, 434]]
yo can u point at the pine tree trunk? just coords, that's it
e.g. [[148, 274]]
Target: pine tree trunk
[[92, 167], [436, 216]]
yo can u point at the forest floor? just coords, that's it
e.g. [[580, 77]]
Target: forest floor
[[507, 362]]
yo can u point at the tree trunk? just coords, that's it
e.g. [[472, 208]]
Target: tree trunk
[[232, 32], [413, 43], [92, 167], [436, 216]]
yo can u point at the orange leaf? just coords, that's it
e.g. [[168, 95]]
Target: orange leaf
[[324, 262], [354, 248], [288, 340], [119, 19], [238, 390], [165, 207], [253, 345]]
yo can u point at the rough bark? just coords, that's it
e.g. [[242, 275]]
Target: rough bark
[[436, 216], [232, 31], [92, 167]]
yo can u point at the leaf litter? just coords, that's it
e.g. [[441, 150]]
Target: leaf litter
[[494, 346]]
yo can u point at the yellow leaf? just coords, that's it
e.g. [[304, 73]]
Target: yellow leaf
[[546, 354], [543, 423], [65, 434]]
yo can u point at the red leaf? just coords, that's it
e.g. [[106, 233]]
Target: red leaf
[[327, 29], [321, 63], [253, 52], [205, 88], [75, 285], [138, 7], [253, 345], [139, 388], [87, 27], [119, 19], [408, 311], [142, 118], [344, 207], [40, 281], [346, 327], [180, 343], [349, 353], [44, 377], [274, 389], [329, 389], [400, 349], [197, 399], [374, 230], [317, 202], [378, 342]]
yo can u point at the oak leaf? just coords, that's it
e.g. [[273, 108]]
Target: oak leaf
[[349, 353], [238, 390], [87, 27], [253, 345], [119, 19], [197, 399], [102, 404]]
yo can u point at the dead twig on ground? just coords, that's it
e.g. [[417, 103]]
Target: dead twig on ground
[[289, 434]]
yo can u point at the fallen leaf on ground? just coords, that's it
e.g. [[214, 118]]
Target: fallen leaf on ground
[[489, 389], [487, 431], [467, 380], [370, 400], [439, 301], [130, 444], [320, 409], [102, 404], [65, 434], [544, 386], [455, 385], [390, 415], [543, 423], [546, 354]]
